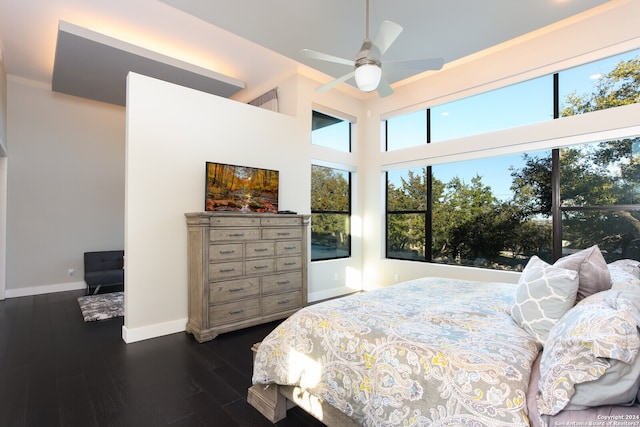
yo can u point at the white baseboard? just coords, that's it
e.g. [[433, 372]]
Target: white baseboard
[[153, 331], [45, 289]]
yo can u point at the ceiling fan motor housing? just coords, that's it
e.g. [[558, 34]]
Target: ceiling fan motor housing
[[368, 54]]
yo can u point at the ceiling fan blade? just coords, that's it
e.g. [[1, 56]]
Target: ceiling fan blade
[[384, 89], [326, 57], [416, 64], [386, 35], [335, 82]]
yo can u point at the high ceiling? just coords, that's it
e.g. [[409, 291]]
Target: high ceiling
[[230, 37]]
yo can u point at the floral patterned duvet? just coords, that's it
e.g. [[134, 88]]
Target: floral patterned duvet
[[429, 352]]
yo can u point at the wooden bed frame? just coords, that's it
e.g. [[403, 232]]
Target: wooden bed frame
[[273, 401]]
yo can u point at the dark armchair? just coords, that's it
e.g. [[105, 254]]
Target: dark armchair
[[103, 268]]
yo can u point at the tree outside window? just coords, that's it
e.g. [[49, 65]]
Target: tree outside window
[[330, 213]]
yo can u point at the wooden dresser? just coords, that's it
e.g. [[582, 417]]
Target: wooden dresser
[[244, 269]]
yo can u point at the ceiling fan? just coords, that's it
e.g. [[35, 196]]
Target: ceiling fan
[[367, 66]]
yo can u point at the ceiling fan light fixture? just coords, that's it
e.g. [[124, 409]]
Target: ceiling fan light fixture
[[368, 77]]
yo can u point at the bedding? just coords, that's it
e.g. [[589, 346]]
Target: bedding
[[431, 351], [589, 371]]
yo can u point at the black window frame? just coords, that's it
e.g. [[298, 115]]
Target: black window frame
[[336, 212]]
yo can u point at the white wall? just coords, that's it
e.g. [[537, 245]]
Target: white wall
[[171, 133], [65, 186], [3, 174], [3, 105]]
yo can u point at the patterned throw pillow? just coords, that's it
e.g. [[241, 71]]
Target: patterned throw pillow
[[593, 274], [544, 294], [594, 345]]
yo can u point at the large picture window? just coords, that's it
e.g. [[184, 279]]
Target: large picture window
[[330, 213], [498, 212]]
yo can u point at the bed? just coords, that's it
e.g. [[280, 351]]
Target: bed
[[558, 348]]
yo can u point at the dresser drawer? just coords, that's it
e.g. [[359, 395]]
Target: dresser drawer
[[234, 311], [231, 290], [225, 270], [235, 234], [225, 252], [236, 221], [282, 233], [289, 247], [282, 220], [260, 266], [281, 302], [260, 249], [278, 283], [289, 263]]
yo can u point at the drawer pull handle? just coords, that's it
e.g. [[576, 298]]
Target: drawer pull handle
[[289, 247], [261, 249], [236, 311], [260, 267], [283, 233], [290, 263], [284, 282], [236, 289], [227, 270], [227, 252], [236, 235], [283, 301]]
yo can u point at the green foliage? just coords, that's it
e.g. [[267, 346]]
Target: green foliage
[[621, 86], [329, 205]]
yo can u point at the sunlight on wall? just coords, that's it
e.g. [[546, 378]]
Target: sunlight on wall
[[356, 226], [354, 278]]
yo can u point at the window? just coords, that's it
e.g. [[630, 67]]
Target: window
[[606, 83], [330, 213], [476, 212], [600, 198], [602, 84], [331, 132], [498, 212], [515, 105], [408, 130], [407, 214]]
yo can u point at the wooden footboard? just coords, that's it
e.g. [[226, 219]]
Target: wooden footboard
[[273, 401]]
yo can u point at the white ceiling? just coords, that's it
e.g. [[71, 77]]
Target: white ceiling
[[229, 37]]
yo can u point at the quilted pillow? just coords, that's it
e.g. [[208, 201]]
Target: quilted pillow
[[544, 294], [593, 274], [590, 354]]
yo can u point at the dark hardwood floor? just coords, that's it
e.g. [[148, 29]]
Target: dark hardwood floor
[[57, 370]]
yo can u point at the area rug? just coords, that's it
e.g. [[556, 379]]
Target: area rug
[[102, 306]]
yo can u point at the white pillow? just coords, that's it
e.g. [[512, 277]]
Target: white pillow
[[544, 294], [631, 266]]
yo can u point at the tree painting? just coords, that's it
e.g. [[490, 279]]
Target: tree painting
[[241, 188]]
